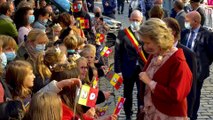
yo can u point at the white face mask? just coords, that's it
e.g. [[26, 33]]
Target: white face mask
[[3, 58], [187, 25], [135, 25]]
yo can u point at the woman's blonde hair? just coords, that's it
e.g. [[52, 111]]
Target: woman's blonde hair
[[34, 34], [45, 106], [8, 41], [158, 32], [15, 76]]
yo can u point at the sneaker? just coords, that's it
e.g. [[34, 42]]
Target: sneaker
[[119, 13], [122, 13]]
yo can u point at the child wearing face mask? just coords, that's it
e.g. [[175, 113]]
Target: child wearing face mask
[[3, 57], [20, 78], [9, 47], [36, 43]]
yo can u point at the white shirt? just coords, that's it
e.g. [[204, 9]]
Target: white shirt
[[22, 31], [193, 40]]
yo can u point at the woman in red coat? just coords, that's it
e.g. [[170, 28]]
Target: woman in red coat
[[166, 75]]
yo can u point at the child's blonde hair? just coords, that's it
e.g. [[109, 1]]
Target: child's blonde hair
[[71, 42], [45, 106], [45, 62], [86, 80], [15, 76], [89, 48]]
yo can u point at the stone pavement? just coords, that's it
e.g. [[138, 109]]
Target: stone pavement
[[206, 107]]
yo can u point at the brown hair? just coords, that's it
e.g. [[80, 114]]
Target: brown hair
[[4, 7], [8, 41], [65, 18], [156, 12], [174, 25], [68, 94], [45, 106], [15, 76]]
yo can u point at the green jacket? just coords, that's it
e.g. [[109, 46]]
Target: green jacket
[[7, 27]]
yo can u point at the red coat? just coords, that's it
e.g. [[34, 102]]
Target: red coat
[[174, 80], [69, 115]]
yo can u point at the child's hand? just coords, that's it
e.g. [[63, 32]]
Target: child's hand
[[91, 112], [107, 94], [113, 117]]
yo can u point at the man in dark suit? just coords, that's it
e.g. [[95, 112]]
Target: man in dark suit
[[127, 60], [195, 4], [180, 16], [199, 40], [190, 59]]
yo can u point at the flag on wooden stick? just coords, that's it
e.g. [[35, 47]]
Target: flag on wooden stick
[[119, 105], [115, 79]]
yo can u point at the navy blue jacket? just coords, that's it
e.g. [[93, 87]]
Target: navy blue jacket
[[203, 49]]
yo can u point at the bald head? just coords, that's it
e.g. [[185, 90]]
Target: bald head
[[97, 9], [194, 15], [193, 18], [158, 2], [136, 15]]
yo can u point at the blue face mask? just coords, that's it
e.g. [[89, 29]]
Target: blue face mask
[[40, 47], [79, 7], [31, 19], [10, 55], [3, 60]]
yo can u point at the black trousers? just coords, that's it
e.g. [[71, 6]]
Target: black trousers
[[120, 5], [197, 101], [128, 90]]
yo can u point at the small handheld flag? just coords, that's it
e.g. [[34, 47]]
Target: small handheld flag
[[88, 96], [95, 82], [119, 105], [115, 79], [101, 111], [100, 38], [105, 51], [82, 23]]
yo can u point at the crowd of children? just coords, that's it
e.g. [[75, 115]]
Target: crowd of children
[[45, 58]]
